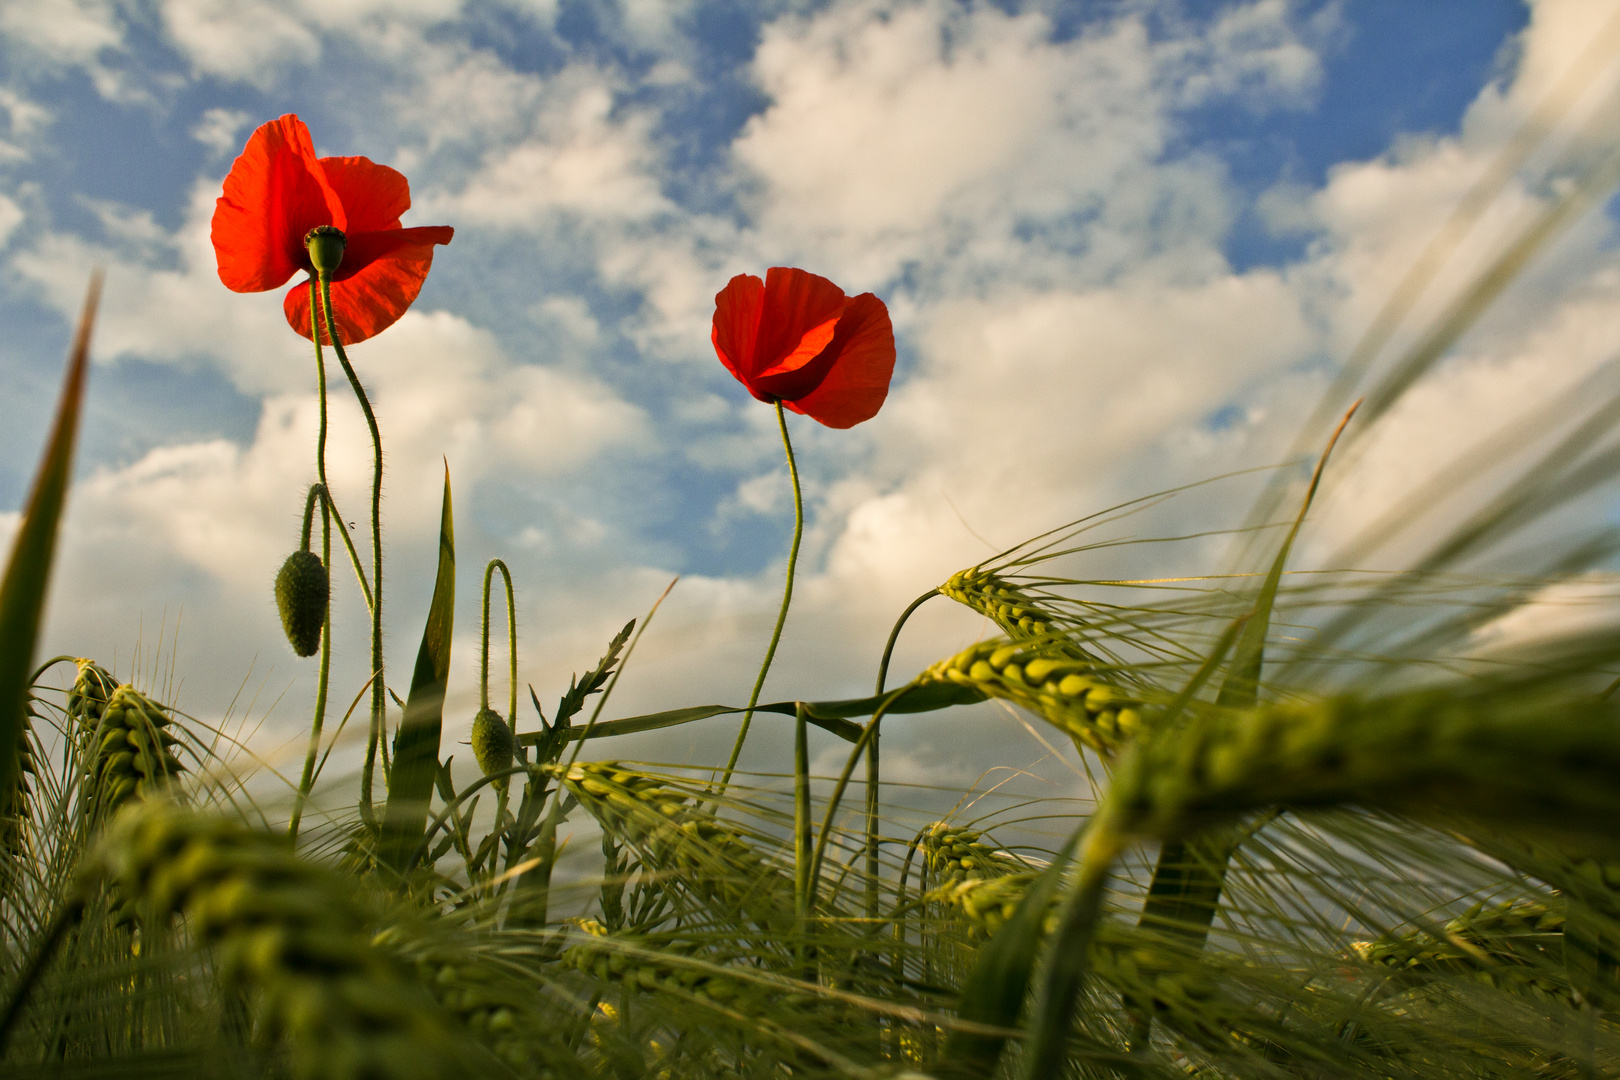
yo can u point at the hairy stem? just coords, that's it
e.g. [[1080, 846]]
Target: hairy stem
[[511, 642], [787, 598], [502, 790], [306, 782], [379, 693]]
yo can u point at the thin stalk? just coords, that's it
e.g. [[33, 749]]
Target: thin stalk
[[450, 808], [873, 767], [801, 818], [307, 780], [322, 680], [868, 738], [787, 598], [379, 696], [1068, 952], [894, 635], [502, 790], [873, 864], [511, 643], [54, 933], [320, 447]]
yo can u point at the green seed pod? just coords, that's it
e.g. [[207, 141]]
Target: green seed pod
[[492, 741], [302, 593]]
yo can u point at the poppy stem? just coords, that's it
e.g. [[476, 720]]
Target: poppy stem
[[511, 642], [787, 598], [320, 447], [306, 782], [379, 694]]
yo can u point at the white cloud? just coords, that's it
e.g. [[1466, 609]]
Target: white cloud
[[255, 40], [11, 216], [237, 40], [1255, 53], [583, 159], [440, 390], [220, 130], [164, 301], [1584, 605], [26, 119], [72, 31]]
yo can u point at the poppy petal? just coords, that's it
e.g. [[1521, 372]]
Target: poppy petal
[[378, 290], [858, 380], [737, 309], [374, 196], [274, 194], [797, 303], [802, 370], [364, 248]]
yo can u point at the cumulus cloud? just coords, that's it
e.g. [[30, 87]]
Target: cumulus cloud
[[219, 130], [73, 31], [1072, 333]]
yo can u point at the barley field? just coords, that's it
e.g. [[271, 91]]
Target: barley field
[[1335, 803]]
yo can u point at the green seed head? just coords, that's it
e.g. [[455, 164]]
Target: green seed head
[[326, 245], [302, 592], [91, 689], [492, 741]]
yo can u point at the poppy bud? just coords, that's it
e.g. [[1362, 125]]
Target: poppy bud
[[302, 592], [326, 245], [491, 741]]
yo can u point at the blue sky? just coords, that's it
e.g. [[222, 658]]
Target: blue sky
[[1123, 243]]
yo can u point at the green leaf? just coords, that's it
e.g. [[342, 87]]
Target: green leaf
[[416, 753], [830, 716], [22, 590]]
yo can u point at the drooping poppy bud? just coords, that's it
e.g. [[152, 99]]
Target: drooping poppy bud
[[492, 741], [302, 593]]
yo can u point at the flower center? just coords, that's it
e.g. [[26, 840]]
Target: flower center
[[325, 244]]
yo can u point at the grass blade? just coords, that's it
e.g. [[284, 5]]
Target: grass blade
[[22, 591], [829, 716], [416, 757]]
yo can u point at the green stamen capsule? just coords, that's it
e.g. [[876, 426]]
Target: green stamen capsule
[[326, 245]]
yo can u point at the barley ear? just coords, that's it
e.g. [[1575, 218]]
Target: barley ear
[[290, 934]]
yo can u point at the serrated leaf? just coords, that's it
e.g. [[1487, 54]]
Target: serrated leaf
[[580, 689]]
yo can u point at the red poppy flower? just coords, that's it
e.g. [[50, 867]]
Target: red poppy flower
[[796, 338], [278, 190]]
